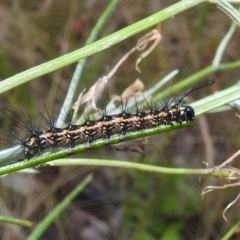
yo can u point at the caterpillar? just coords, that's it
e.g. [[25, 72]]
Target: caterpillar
[[107, 125]]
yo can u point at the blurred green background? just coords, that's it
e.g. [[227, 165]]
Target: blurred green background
[[119, 203]]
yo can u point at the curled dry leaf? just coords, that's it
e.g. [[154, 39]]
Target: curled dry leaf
[[120, 62], [230, 205], [153, 38], [134, 90], [234, 173], [219, 167], [211, 188], [94, 93], [76, 105], [131, 92]]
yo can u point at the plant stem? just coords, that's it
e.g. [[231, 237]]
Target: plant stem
[[83, 147], [140, 166], [20, 222], [50, 218], [232, 230], [78, 71]]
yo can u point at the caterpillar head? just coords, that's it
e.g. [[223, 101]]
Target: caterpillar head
[[187, 114]]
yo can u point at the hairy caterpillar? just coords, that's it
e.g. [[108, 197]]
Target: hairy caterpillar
[[108, 125]]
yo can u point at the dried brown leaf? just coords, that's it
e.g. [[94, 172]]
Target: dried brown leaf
[[219, 167], [132, 91], [153, 38], [94, 93], [76, 105], [225, 186], [120, 62], [234, 173], [230, 205]]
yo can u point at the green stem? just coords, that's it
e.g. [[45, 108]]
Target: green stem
[[50, 218], [230, 233], [227, 8], [78, 71], [202, 106], [83, 147], [217, 100], [201, 75], [140, 166], [222, 46], [20, 222]]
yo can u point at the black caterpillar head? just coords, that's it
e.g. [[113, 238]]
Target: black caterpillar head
[[187, 114]]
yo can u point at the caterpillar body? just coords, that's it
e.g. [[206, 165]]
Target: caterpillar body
[[108, 125]]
